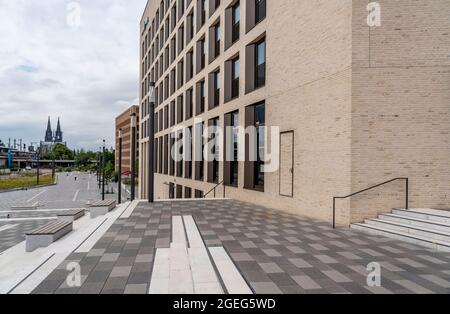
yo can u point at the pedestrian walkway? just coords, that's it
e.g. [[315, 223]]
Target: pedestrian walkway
[[273, 251], [49, 201]]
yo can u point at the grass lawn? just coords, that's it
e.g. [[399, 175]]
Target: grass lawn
[[22, 182]]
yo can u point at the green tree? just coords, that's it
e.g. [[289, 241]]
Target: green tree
[[60, 152]]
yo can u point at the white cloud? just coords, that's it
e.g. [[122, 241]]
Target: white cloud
[[86, 75]]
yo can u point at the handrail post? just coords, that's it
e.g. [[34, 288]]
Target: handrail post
[[407, 193], [334, 212]]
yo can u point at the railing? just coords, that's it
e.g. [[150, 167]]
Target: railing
[[368, 189], [214, 190]]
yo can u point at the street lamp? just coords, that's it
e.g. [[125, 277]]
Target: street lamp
[[53, 162], [133, 155], [120, 167], [103, 170], [151, 145], [37, 166], [98, 168]]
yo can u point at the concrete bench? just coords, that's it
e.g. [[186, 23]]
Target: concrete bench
[[71, 215], [101, 208], [47, 234]]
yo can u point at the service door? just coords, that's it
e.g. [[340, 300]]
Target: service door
[[287, 164]]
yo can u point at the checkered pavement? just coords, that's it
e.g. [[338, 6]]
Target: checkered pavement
[[276, 252]]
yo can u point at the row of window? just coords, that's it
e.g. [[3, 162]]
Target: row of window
[[195, 168], [170, 53], [184, 104], [176, 192]]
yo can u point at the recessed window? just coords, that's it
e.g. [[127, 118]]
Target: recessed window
[[231, 165], [256, 12], [214, 5], [254, 174], [181, 8], [199, 147], [190, 27], [180, 111], [217, 40], [189, 65], [255, 76], [200, 97], [201, 55], [236, 22], [260, 67], [260, 10], [172, 160], [201, 17], [188, 158], [172, 113], [213, 165], [189, 103], [235, 77], [179, 149], [214, 89]]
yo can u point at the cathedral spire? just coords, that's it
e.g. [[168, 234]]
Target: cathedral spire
[[49, 133], [58, 134]]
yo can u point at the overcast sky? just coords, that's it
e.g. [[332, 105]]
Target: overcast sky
[[50, 65]]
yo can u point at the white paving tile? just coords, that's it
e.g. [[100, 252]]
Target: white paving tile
[[178, 234], [233, 280], [194, 237]]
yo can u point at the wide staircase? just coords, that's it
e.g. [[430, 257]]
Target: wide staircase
[[426, 227]]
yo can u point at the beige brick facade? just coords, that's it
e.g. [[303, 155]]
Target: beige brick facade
[[365, 105]]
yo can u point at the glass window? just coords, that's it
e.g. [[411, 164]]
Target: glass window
[[236, 21], [235, 78], [260, 67], [234, 165], [260, 120], [260, 14], [216, 88]]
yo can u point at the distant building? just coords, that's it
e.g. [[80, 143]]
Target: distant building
[[52, 138], [123, 121]]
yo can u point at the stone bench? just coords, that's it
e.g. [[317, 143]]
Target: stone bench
[[71, 215], [101, 208], [47, 234]]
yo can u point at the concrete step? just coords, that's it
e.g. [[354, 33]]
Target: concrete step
[[414, 239], [431, 211], [438, 216], [432, 234], [416, 222]]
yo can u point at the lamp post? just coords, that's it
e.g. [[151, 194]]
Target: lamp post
[[99, 167], [133, 156], [37, 166], [103, 170], [151, 145], [119, 192], [53, 163]]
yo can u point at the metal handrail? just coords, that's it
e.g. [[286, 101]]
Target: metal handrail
[[214, 190], [368, 189]]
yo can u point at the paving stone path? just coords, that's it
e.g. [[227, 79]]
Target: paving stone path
[[275, 252], [68, 193]]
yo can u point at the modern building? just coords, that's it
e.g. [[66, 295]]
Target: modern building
[[357, 102], [123, 121]]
